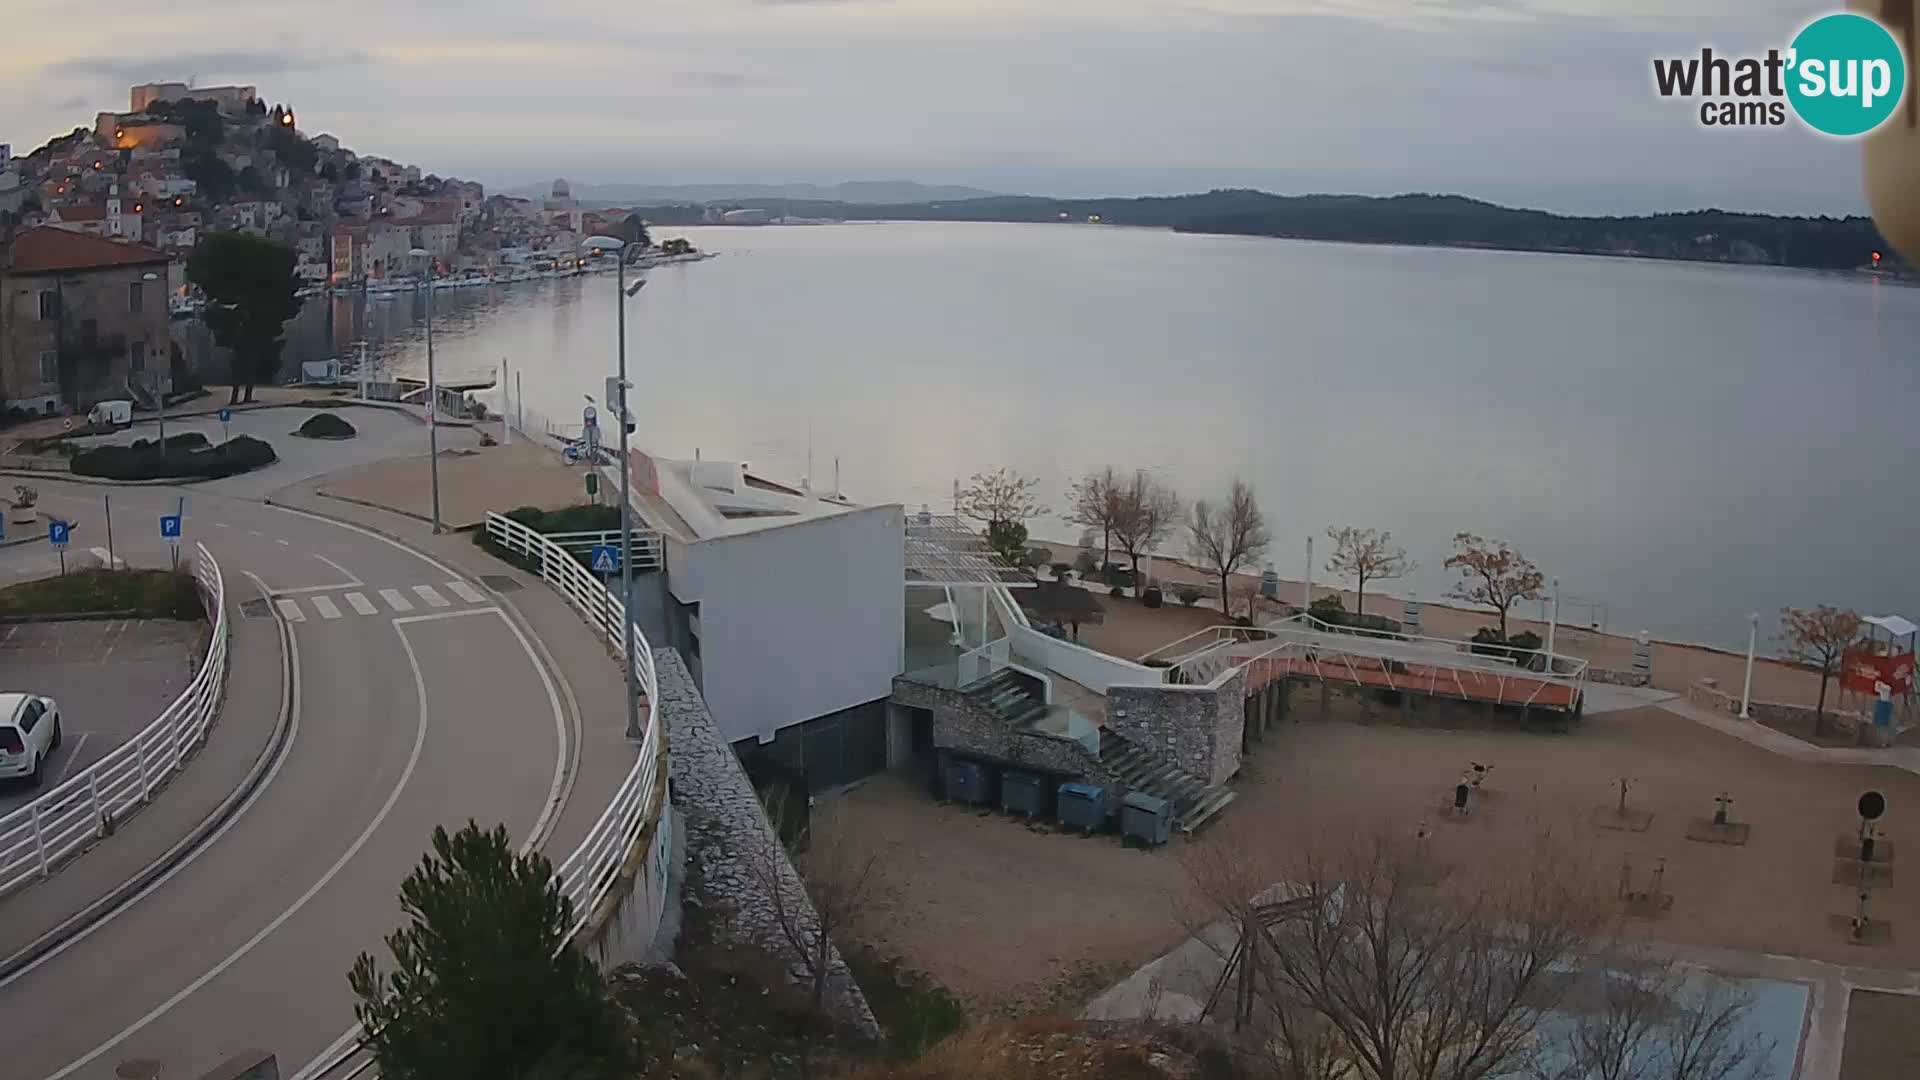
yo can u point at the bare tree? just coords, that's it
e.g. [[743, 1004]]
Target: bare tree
[[810, 909], [1366, 555], [1376, 962], [1004, 502], [1144, 517], [1637, 1015], [1492, 575], [1002, 496], [1094, 502], [1819, 637], [1228, 537]]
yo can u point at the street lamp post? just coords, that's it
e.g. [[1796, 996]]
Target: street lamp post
[[433, 395], [1746, 687], [621, 293]]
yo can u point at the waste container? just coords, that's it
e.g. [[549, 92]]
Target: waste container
[[966, 781], [1145, 818], [1083, 806], [1020, 794]]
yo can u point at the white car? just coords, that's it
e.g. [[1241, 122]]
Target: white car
[[29, 734]]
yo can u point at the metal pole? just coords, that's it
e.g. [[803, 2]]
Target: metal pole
[[107, 501], [519, 403], [626, 506], [1553, 624], [433, 407], [1746, 689], [1306, 586], [506, 414]]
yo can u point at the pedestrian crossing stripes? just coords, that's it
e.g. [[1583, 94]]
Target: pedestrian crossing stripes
[[299, 609]]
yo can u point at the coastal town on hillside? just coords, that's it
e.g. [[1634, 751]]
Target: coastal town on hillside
[[99, 223]]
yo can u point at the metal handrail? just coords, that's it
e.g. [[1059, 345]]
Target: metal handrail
[[87, 805], [588, 874]]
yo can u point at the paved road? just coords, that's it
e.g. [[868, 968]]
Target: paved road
[[418, 703]]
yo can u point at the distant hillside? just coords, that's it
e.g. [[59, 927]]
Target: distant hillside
[[872, 192], [1440, 220]]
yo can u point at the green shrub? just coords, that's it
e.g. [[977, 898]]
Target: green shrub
[[1328, 609], [1189, 595], [325, 426], [187, 440], [146, 462]]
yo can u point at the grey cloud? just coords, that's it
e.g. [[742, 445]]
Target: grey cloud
[[721, 80], [248, 63]]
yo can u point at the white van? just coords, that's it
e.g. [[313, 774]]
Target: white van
[[29, 734], [111, 413]]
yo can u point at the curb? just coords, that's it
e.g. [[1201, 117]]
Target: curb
[[91, 915], [76, 478]]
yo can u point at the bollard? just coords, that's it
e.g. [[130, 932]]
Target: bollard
[[1643, 654], [1410, 616]]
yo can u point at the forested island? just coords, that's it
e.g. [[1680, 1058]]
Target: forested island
[[1825, 243]]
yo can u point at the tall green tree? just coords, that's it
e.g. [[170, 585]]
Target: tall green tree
[[250, 287], [485, 979]]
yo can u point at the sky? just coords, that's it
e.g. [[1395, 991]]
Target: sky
[[1539, 103]]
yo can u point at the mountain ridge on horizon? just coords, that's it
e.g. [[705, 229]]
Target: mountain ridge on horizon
[[873, 192]]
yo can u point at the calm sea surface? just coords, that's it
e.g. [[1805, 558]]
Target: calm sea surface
[[1686, 443]]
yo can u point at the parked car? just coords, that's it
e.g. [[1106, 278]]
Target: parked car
[[29, 734]]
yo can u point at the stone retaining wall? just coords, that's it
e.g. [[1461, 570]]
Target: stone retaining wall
[[1707, 694], [1611, 677], [728, 836], [961, 724], [1196, 728]]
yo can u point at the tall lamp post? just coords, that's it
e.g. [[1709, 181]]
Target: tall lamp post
[[433, 394], [598, 244], [1746, 685]]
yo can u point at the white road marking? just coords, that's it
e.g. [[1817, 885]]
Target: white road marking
[[283, 543], [290, 611], [406, 774], [73, 755], [344, 572], [221, 525], [431, 596], [360, 604], [290, 671], [256, 532], [557, 795], [396, 601], [325, 607], [466, 592], [108, 559]]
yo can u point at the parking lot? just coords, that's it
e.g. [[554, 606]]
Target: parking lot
[[111, 677]]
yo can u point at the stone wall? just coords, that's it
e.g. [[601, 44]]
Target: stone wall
[[1707, 694], [1198, 728], [964, 725], [1611, 677], [729, 839]]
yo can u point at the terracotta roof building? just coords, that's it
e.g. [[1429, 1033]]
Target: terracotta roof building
[[80, 316]]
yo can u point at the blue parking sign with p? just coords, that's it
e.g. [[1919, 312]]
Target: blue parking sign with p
[[170, 526], [226, 415], [605, 559], [57, 533]]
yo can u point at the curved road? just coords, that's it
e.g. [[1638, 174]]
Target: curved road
[[417, 702]]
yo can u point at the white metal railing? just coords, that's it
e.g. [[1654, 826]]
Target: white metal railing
[[589, 872], [647, 551], [36, 837]]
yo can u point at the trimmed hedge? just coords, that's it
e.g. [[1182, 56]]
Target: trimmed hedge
[[145, 461], [325, 426], [188, 440]]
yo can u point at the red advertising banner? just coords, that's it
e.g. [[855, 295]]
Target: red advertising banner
[[1864, 672]]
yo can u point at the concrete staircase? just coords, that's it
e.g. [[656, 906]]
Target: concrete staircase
[[1009, 697], [1192, 799]]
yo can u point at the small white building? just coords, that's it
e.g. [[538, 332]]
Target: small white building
[[786, 604]]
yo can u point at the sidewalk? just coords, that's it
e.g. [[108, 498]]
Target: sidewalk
[[1764, 737], [236, 749], [472, 482], [590, 680]]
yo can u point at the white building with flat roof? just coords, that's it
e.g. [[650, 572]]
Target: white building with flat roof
[[786, 605]]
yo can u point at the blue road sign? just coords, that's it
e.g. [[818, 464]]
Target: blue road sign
[[606, 559], [226, 415], [57, 533], [169, 526]]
